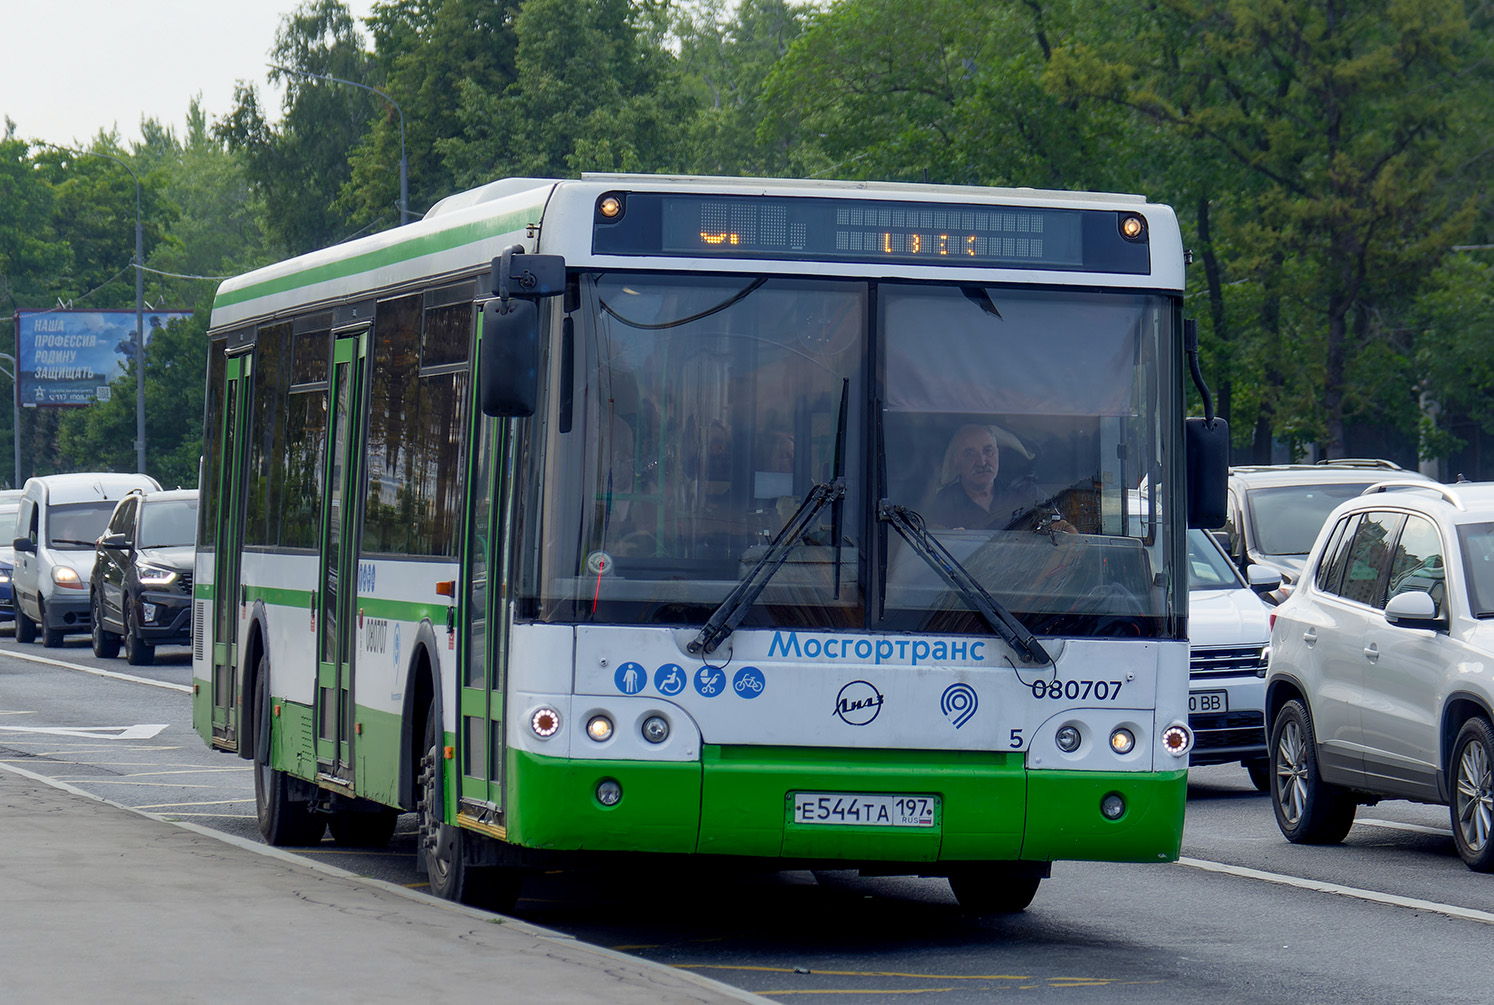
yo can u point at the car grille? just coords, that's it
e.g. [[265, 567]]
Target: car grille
[[1219, 730], [184, 583], [1226, 661]]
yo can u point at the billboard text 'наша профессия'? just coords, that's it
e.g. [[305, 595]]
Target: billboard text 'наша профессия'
[[69, 357]]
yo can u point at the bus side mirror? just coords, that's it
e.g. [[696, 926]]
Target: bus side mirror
[[508, 369], [1206, 453], [509, 361]]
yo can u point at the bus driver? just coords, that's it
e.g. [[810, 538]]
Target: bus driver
[[969, 498]]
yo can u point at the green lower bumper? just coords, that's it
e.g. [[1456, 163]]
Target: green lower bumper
[[739, 801]]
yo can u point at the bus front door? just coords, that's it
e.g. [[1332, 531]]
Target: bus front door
[[337, 586], [228, 527], [484, 601]]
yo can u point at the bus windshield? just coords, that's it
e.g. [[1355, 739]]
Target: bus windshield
[[691, 415]]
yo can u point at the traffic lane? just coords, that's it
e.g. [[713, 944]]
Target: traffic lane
[[879, 936], [173, 664], [1395, 847], [1113, 933]]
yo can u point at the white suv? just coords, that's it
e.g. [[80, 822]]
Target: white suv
[[1378, 685]]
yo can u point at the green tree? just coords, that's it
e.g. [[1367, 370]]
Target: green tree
[[301, 165], [592, 92], [959, 100], [727, 52], [428, 53], [1342, 114]]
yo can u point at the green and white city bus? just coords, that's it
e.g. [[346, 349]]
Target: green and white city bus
[[632, 515]]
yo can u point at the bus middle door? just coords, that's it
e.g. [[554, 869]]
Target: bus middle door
[[337, 583]]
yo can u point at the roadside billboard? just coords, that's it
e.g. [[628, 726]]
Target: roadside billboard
[[69, 357]]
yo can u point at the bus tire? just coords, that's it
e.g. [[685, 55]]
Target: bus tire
[[443, 847], [282, 821], [994, 889]]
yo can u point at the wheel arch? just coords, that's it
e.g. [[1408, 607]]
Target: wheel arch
[[1458, 709], [250, 725], [1278, 693], [422, 692]]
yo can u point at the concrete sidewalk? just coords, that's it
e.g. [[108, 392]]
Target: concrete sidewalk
[[103, 903]]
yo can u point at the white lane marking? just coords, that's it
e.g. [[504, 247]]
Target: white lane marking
[[1318, 886], [1397, 826], [97, 672], [140, 732]]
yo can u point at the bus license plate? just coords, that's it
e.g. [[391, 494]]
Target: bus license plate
[[1208, 701], [862, 810]]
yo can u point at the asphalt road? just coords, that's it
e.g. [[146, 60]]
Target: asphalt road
[[1392, 915]]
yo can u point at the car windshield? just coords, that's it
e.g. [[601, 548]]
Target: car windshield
[[1287, 518], [78, 525], [1208, 567], [168, 523], [8, 523]]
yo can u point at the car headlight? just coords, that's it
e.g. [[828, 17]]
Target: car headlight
[[66, 575], [4, 576], [154, 575]]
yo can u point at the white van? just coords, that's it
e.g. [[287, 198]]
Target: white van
[[60, 518]]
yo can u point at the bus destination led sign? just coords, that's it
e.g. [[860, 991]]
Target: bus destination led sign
[[819, 229]]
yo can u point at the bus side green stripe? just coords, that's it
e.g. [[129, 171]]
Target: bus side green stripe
[[418, 247], [371, 607]]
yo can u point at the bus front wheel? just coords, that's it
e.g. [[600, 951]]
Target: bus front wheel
[[282, 820], [443, 846]]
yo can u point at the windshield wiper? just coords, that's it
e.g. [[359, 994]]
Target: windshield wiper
[[910, 525], [725, 619]]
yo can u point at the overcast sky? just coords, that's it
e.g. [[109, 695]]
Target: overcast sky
[[69, 68]]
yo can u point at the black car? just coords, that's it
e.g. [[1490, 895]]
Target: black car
[[142, 575]]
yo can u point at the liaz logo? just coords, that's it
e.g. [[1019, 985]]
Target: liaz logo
[[858, 703]]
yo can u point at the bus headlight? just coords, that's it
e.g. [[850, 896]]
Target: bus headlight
[[1113, 806], [599, 728], [1122, 740], [609, 792], [1067, 738]]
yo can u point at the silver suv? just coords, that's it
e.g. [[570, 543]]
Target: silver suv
[[1377, 687], [1276, 511]]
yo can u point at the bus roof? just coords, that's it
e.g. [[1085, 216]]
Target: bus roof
[[461, 235]]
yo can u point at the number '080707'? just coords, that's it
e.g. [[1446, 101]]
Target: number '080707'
[[1077, 690]]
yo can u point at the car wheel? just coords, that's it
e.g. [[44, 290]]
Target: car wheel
[[441, 846], [25, 627], [139, 652], [51, 637], [1308, 809], [1260, 774], [105, 643], [1473, 795], [994, 889]]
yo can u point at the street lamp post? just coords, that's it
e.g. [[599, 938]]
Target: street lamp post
[[404, 188], [139, 312]]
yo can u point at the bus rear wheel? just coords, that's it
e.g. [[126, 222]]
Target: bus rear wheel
[[994, 889], [444, 847]]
